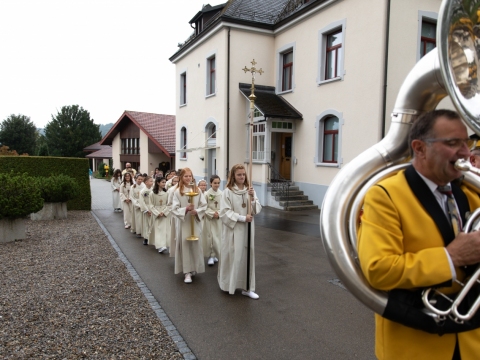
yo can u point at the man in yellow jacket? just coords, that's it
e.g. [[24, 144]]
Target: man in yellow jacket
[[407, 241]]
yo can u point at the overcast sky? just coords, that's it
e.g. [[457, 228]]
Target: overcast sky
[[104, 55]]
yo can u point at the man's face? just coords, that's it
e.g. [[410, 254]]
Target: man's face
[[475, 158], [128, 165], [439, 156]]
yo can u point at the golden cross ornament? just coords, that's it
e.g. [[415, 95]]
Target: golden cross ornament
[[253, 69]]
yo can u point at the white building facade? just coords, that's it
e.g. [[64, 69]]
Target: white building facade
[[332, 70]]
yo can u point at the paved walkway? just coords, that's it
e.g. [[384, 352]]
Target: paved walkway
[[301, 314]]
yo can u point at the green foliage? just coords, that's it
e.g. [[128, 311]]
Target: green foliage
[[41, 148], [70, 131], [18, 196], [45, 166], [101, 169], [57, 188], [19, 133]]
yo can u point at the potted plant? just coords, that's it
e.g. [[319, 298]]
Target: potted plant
[[55, 190], [19, 197]]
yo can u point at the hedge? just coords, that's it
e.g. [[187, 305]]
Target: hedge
[[46, 166], [58, 188]]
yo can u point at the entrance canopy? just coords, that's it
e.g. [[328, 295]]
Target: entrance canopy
[[269, 103]]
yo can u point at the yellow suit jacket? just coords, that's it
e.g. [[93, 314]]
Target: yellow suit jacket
[[400, 247]]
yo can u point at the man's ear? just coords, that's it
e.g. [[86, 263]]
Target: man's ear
[[472, 160], [419, 148]]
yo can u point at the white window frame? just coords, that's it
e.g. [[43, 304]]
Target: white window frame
[[319, 125], [322, 46], [183, 143], [183, 89], [427, 16], [279, 67], [212, 55]]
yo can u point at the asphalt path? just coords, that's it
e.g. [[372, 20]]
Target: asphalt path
[[301, 313]]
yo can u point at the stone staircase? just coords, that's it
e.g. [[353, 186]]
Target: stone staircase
[[296, 199]]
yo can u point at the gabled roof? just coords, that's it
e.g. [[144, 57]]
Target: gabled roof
[[104, 153], [269, 103], [265, 14], [158, 127]]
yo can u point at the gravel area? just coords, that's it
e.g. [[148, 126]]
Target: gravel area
[[65, 294]]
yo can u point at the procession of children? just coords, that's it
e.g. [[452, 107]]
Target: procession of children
[[191, 223]]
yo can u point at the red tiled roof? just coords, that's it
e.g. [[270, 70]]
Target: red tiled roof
[[160, 127], [104, 153], [93, 147]]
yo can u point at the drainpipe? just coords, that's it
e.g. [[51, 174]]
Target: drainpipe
[[228, 104], [385, 71]]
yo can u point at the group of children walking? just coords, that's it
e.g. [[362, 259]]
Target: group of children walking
[[194, 222]]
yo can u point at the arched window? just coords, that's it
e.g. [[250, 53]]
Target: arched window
[[330, 140], [183, 142]]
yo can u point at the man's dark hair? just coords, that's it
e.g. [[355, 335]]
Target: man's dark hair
[[422, 128]]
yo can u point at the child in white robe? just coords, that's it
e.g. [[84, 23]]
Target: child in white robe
[[232, 272], [137, 212], [125, 190], [115, 183], [144, 202], [212, 225], [160, 231], [188, 253], [173, 219]]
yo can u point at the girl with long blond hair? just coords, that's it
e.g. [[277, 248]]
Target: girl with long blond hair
[[232, 273], [188, 253]]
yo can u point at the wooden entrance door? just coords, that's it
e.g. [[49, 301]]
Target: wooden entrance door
[[286, 158]]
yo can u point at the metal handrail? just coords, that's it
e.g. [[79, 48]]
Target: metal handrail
[[278, 182]]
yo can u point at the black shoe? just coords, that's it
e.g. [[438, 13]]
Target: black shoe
[[145, 241]]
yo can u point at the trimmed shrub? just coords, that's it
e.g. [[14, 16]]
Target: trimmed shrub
[[57, 188], [19, 196], [45, 166]]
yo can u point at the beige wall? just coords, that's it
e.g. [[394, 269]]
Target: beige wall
[[144, 163], [358, 97], [116, 149]]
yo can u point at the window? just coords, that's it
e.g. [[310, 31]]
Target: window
[[427, 33], [331, 50], [285, 68], [131, 146], [333, 55], [287, 71], [258, 143], [428, 38], [183, 142], [211, 75], [330, 140], [183, 89], [329, 134]]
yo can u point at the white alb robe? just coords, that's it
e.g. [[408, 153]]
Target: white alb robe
[[232, 272], [212, 228], [160, 230], [124, 194], [188, 253], [115, 184], [147, 220], [137, 212]]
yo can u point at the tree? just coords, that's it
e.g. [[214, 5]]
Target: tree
[[19, 133], [70, 131]]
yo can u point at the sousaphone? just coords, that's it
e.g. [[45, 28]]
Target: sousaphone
[[450, 69]]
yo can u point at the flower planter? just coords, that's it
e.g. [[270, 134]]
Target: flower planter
[[51, 211], [12, 229]]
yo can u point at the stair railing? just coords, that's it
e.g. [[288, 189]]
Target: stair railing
[[279, 184]]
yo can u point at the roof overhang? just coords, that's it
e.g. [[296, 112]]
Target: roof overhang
[[122, 121], [269, 103]]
